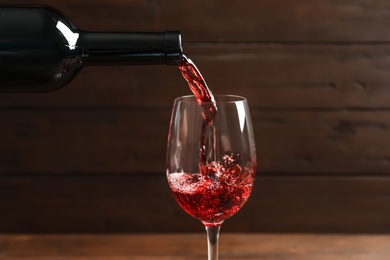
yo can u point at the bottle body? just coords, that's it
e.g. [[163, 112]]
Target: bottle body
[[41, 50]]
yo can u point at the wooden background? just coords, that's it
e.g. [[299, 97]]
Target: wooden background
[[91, 156]]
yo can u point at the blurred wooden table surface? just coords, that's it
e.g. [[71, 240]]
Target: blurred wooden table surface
[[193, 246]]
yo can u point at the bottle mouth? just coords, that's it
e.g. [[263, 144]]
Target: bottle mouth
[[173, 47]]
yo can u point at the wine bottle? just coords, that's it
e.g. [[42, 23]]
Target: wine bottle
[[41, 50]]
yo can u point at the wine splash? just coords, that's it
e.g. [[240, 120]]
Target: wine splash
[[217, 192]]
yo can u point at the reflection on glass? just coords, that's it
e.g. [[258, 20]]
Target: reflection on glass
[[70, 36]]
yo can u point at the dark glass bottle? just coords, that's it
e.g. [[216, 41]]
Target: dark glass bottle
[[41, 50]]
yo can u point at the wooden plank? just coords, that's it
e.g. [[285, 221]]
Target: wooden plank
[[192, 246], [288, 76], [271, 20], [322, 141], [61, 141], [143, 203], [123, 141]]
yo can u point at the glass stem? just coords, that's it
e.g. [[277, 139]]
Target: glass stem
[[212, 241]]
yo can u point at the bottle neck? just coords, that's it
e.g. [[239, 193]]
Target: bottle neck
[[137, 48]]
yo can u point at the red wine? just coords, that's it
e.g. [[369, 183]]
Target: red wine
[[203, 95], [195, 81], [220, 188], [217, 192]]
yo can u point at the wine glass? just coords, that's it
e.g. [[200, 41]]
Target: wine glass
[[211, 160]]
